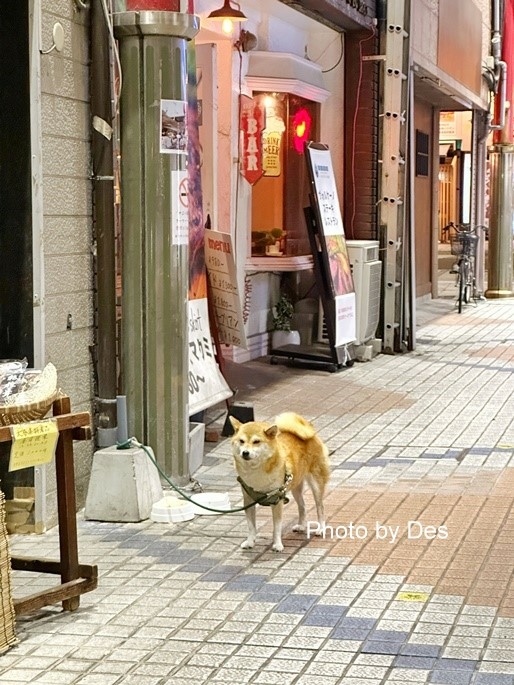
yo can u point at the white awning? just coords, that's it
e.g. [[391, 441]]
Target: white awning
[[283, 72]]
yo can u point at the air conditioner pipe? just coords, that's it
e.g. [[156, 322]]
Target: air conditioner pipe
[[503, 97]]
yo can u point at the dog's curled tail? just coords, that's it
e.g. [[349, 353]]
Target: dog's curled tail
[[289, 422]]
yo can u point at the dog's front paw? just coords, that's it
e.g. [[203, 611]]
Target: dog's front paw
[[248, 544], [278, 547], [299, 528]]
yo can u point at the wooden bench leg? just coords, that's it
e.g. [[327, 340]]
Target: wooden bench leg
[[66, 505]]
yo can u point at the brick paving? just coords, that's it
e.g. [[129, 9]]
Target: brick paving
[[425, 437]]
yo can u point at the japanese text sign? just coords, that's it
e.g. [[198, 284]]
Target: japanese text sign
[[221, 269], [33, 444]]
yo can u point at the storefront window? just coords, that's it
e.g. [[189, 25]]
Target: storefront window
[[280, 195]]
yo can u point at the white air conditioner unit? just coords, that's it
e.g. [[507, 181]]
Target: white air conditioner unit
[[367, 275]]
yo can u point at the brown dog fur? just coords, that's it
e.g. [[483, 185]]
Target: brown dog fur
[[264, 453]]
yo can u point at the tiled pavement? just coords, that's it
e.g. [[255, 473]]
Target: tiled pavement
[[426, 438]]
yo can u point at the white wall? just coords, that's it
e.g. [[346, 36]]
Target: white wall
[[66, 218]]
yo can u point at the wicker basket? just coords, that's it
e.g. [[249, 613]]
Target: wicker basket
[[7, 618], [464, 244], [32, 404]]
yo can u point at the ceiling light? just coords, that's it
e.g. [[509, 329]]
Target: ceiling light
[[227, 12]]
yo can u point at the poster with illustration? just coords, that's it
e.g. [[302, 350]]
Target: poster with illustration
[[173, 127], [339, 263], [333, 243]]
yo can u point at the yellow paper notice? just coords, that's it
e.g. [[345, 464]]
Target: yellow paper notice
[[33, 444], [413, 596]]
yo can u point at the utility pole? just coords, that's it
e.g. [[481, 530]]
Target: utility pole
[[501, 159], [393, 177], [153, 47], [499, 277]]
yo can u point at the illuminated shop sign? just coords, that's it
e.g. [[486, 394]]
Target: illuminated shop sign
[[251, 126], [302, 122]]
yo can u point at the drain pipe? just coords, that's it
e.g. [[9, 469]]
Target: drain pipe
[[103, 221], [500, 67]]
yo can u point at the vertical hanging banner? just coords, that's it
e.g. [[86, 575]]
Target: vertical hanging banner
[[333, 243], [251, 126], [221, 270], [206, 383]]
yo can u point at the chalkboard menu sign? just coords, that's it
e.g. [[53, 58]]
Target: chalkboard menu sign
[[221, 270]]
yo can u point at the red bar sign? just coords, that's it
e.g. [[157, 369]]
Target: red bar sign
[[251, 125]]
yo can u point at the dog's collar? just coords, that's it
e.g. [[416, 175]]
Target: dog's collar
[[268, 499]]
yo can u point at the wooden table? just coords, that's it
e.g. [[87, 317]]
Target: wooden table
[[75, 578]]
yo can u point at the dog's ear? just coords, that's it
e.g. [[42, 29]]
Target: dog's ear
[[236, 425], [271, 432]]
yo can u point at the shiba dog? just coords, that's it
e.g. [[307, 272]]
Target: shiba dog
[[271, 460]]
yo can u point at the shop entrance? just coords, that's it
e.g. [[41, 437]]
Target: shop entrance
[[16, 288], [454, 189], [16, 306]]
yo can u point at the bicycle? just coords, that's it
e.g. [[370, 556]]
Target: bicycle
[[463, 245]]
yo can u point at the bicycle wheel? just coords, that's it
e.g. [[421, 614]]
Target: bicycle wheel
[[468, 293], [470, 282], [463, 270]]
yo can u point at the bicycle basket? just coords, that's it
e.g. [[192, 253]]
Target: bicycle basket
[[464, 244]]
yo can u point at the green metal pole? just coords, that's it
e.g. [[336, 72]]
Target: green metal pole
[[499, 277], [155, 250]]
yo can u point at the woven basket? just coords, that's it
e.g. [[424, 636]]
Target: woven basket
[[7, 618], [32, 404]]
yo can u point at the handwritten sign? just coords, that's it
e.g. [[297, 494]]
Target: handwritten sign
[[206, 384], [221, 270], [334, 243], [33, 444]]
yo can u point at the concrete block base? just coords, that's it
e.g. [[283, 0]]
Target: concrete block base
[[124, 485], [367, 351], [196, 442]]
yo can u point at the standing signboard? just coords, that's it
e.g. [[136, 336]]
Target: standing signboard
[[221, 269], [339, 302], [205, 380]]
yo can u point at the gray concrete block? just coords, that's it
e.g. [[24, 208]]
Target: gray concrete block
[[124, 485]]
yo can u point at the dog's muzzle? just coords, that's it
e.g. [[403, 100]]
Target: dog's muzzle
[[245, 454]]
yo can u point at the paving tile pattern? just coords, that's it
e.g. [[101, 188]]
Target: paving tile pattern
[[425, 438]]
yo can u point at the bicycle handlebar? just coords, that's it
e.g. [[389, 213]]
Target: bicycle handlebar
[[465, 228]]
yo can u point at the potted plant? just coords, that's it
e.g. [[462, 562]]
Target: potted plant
[[282, 315], [275, 237], [267, 242]]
